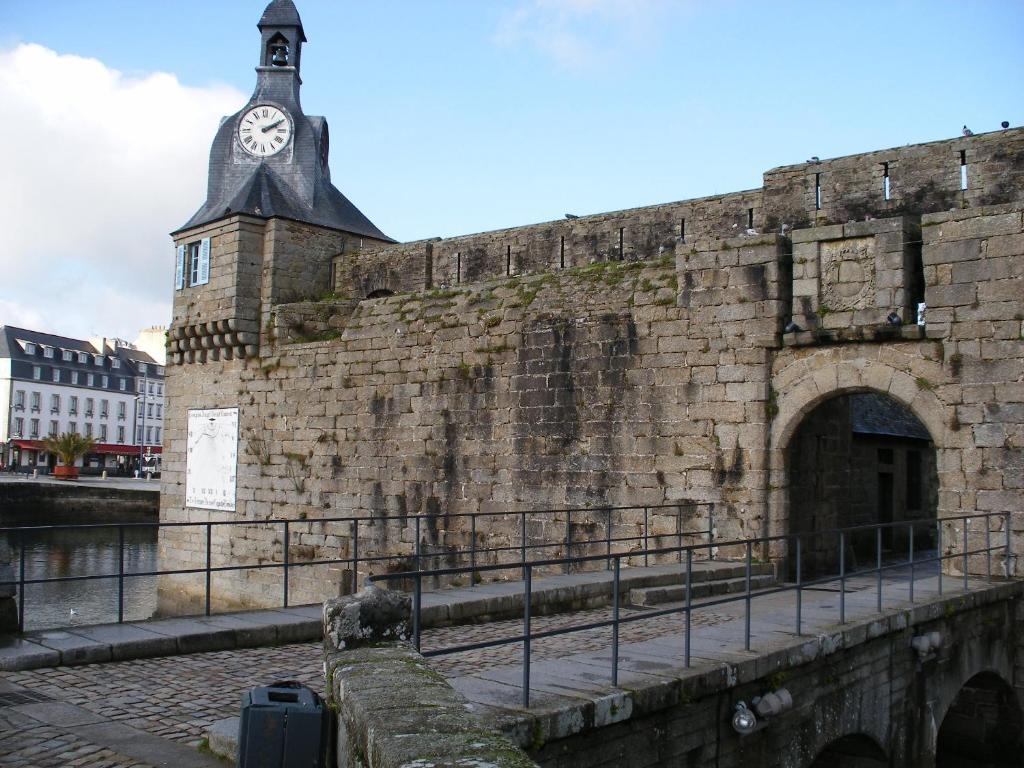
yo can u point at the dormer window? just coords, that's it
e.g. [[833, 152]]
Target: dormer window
[[48, 352], [30, 348]]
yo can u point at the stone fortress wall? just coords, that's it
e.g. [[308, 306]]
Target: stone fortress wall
[[653, 366]]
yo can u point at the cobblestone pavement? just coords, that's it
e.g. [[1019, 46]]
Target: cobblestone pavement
[[466, 662], [177, 698], [174, 698]]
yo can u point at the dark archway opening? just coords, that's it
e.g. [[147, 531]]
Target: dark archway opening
[[854, 751], [860, 459], [983, 726], [380, 293]]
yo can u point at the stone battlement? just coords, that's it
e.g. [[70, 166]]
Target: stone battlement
[[915, 179]]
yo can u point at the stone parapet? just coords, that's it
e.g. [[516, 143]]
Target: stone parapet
[[392, 709]]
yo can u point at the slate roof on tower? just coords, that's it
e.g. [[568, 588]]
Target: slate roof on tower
[[264, 195], [281, 13]]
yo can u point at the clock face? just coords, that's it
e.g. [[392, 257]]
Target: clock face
[[264, 130]]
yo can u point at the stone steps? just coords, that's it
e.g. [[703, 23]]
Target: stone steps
[[676, 593], [565, 593]]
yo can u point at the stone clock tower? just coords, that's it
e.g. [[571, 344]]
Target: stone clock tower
[[272, 220], [267, 234]]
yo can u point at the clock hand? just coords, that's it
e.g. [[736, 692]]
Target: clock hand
[[272, 126]]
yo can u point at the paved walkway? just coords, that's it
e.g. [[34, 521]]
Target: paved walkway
[[570, 669], [89, 481], [155, 711], [147, 712]]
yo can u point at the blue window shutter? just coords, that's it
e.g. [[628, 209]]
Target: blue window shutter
[[179, 272], [204, 261]]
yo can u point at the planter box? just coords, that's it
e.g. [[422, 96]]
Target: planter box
[[65, 473]]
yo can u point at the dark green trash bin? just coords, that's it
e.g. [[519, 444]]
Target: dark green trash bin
[[284, 725]]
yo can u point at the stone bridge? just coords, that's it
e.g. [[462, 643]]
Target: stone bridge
[[939, 682]]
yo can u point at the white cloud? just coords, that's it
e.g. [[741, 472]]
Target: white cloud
[[98, 168], [584, 34]]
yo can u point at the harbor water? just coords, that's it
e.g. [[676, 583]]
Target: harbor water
[[63, 553]]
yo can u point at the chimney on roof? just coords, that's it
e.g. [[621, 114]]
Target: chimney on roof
[[101, 344]]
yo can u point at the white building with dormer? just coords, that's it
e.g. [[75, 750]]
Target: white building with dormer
[[106, 389]]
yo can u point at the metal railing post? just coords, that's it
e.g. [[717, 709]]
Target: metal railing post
[[842, 577], [967, 522], [355, 555], [938, 551], [988, 547], [689, 604], [522, 541], [911, 527], [878, 566], [417, 600], [120, 574], [21, 586], [416, 546], [209, 550], [615, 622], [472, 549], [646, 546], [526, 636], [608, 538], [746, 629], [568, 540], [679, 531], [287, 546], [417, 590], [799, 590], [711, 531], [1009, 551]]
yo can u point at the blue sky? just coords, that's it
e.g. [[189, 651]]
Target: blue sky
[[456, 117]]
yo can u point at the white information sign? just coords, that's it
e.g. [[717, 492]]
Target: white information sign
[[211, 459]]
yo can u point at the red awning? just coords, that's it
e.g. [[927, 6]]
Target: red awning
[[99, 448], [125, 450]]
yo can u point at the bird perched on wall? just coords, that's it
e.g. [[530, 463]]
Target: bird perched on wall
[[1005, 124], [968, 131], [571, 216], [792, 327], [814, 159], [785, 228], [894, 319], [751, 232]]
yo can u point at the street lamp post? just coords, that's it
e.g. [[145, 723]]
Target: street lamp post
[[142, 431]]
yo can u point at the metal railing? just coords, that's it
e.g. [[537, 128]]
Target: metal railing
[[913, 561], [423, 552]]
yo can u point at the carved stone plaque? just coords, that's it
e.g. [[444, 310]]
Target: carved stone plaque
[[848, 273]]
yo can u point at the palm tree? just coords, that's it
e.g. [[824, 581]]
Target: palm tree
[[69, 447]]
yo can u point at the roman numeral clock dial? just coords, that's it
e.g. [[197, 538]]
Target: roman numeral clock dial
[[264, 130]]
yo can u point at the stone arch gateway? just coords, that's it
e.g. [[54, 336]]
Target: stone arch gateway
[[851, 445]]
